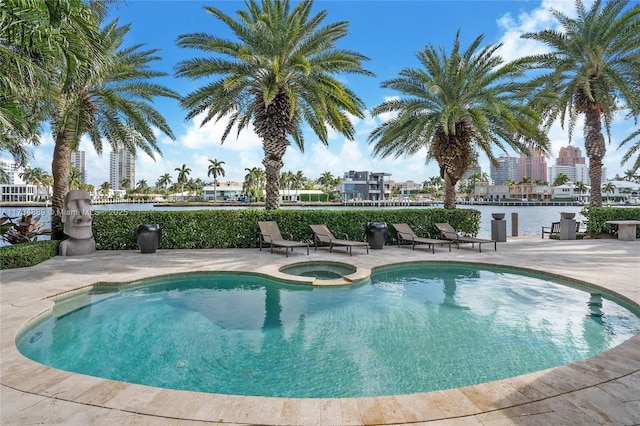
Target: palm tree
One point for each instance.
(253, 181)
(164, 181)
(327, 181)
(278, 75)
(594, 69)
(633, 149)
(215, 169)
(75, 179)
(125, 184)
(297, 181)
(39, 42)
(285, 180)
(35, 176)
(105, 188)
(456, 103)
(560, 179)
(183, 174)
(581, 187)
(608, 188)
(143, 186)
(110, 97)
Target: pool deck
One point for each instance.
(604, 389)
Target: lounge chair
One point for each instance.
(270, 236)
(554, 229)
(449, 233)
(322, 236)
(406, 234)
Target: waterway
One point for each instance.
(530, 219)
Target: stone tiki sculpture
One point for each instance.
(76, 218)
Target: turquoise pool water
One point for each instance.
(411, 329)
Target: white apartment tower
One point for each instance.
(122, 165)
(78, 160)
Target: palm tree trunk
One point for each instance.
(449, 192)
(272, 166)
(596, 148)
(60, 169)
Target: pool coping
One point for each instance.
(578, 388)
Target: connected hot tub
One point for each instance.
(326, 272)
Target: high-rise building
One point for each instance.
(474, 168)
(570, 156)
(12, 170)
(507, 169)
(122, 165)
(571, 163)
(79, 162)
(533, 166)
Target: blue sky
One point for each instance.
(388, 32)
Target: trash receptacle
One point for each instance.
(148, 237)
(376, 234)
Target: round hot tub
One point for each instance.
(324, 272)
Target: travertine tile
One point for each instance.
(407, 405)
(290, 412)
(101, 392)
(271, 411)
(350, 412)
(132, 397)
(250, 410)
(330, 411)
(310, 412)
(601, 406)
(369, 411)
(427, 404)
(231, 408)
(390, 409)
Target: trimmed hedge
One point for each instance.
(598, 216)
(27, 254)
(238, 228)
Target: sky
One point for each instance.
(388, 32)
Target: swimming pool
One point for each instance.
(246, 335)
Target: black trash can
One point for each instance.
(376, 234)
(148, 237)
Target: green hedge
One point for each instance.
(238, 228)
(27, 254)
(598, 216)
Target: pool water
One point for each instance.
(411, 329)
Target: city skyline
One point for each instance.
(375, 33)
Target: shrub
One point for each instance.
(238, 228)
(27, 254)
(597, 217)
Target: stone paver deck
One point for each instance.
(604, 389)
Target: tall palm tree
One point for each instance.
(39, 42)
(75, 178)
(125, 183)
(111, 98)
(453, 105)
(608, 188)
(326, 181)
(183, 176)
(581, 187)
(253, 181)
(633, 149)
(105, 187)
(215, 170)
(560, 179)
(297, 181)
(593, 69)
(278, 75)
(142, 186)
(164, 181)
